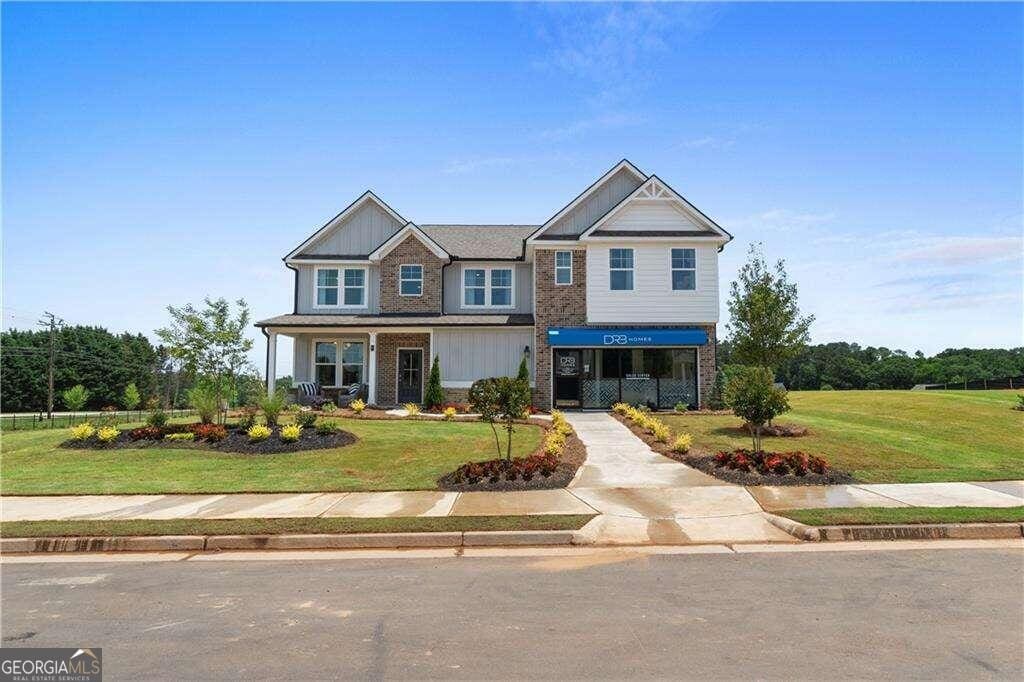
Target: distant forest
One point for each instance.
(843, 366)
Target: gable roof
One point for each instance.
(400, 236)
(469, 242)
(366, 196)
(656, 188)
(625, 164)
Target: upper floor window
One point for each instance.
(344, 287)
(410, 280)
(620, 269)
(684, 270)
(487, 287)
(563, 267)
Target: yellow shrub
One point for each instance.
(258, 432)
(357, 405)
(620, 408)
(83, 431)
(449, 414)
(557, 416)
(554, 443)
(108, 434)
(661, 432)
(290, 433)
(682, 442)
(412, 408)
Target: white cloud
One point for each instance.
(708, 142)
(586, 125)
(780, 219)
(959, 250)
(462, 166)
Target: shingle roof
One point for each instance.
(397, 320)
(480, 241)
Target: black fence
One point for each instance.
(60, 420)
(979, 384)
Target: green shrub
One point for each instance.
(329, 408)
(305, 419)
(83, 431)
(258, 432)
(433, 397)
(325, 428)
(290, 433)
(158, 418)
(272, 406)
(1020, 401)
(247, 418)
(681, 407)
(826, 387)
(185, 435)
(205, 400)
(75, 397)
(131, 398)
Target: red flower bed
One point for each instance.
(211, 432)
(146, 433)
(780, 463)
(495, 470)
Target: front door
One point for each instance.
(567, 378)
(410, 375)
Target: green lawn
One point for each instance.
(389, 455)
(891, 436)
(847, 516)
(401, 524)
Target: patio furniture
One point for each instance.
(348, 394)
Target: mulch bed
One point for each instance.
(572, 459)
(702, 460)
(236, 441)
(778, 430)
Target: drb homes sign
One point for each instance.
(584, 337)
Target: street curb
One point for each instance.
(905, 531)
(213, 543)
(798, 530)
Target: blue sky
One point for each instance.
(157, 153)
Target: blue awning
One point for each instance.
(595, 336)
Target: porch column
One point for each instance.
(371, 368)
(271, 362)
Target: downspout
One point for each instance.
(266, 362)
(295, 289)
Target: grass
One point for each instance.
(389, 455)
(414, 524)
(867, 515)
(891, 436)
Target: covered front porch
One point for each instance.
(391, 364)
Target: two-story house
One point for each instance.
(614, 298)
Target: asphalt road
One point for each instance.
(822, 615)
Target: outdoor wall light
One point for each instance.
(526, 351)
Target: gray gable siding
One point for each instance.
(305, 298)
(453, 288)
(363, 231)
(470, 354)
(615, 189)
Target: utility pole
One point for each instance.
(50, 320)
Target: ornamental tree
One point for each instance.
(500, 398)
(434, 395)
(765, 323)
(131, 398)
(753, 396)
(75, 397)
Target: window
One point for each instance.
(487, 287)
(351, 363)
(410, 280)
(563, 267)
(352, 289)
(326, 287)
(620, 264)
(326, 363)
(501, 287)
(355, 287)
(325, 368)
(684, 270)
(474, 286)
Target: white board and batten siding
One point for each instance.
(652, 300)
(470, 354)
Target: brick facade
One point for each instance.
(410, 252)
(555, 305)
(387, 363)
(566, 306)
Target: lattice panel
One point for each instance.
(598, 393)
